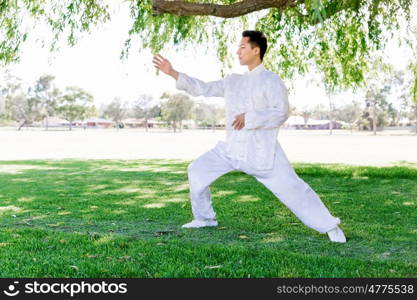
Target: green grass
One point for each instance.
(109, 218)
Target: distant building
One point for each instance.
(134, 123)
(54, 122)
(405, 122)
(298, 122)
(98, 123)
(156, 123)
(189, 124)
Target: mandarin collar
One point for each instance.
(258, 69)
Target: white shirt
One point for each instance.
(262, 96)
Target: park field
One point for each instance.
(122, 218)
(388, 148)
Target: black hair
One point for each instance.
(257, 39)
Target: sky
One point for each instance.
(94, 64)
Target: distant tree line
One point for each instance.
(386, 99)
(34, 104)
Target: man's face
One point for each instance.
(246, 53)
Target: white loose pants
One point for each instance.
(282, 181)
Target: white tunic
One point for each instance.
(262, 96)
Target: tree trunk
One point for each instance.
(21, 125)
(214, 126)
(146, 125)
(415, 111)
(70, 125)
(47, 122)
(374, 117)
(180, 125)
(330, 115)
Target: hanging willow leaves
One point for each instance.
(335, 37)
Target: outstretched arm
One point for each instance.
(193, 86)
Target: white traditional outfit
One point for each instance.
(254, 150)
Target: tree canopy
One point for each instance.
(337, 37)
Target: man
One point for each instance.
(256, 106)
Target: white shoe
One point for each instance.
(200, 223)
(336, 235)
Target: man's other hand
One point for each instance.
(239, 122)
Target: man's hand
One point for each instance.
(239, 122)
(164, 65)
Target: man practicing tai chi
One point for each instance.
(256, 106)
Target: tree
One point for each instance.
(145, 107)
(75, 104)
(116, 111)
(21, 104)
(25, 109)
(409, 96)
(177, 108)
(378, 84)
(411, 40)
(208, 114)
(9, 85)
(349, 113)
(376, 102)
(305, 113)
(292, 111)
(301, 33)
(64, 18)
(2, 101)
(48, 96)
(320, 112)
(331, 88)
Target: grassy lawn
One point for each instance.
(110, 218)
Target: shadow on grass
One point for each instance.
(148, 199)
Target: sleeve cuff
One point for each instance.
(250, 117)
(180, 82)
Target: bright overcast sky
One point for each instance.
(94, 64)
